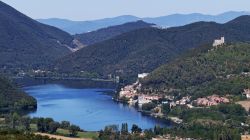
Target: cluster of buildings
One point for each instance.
(128, 91)
(211, 100)
(144, 99)
(186, 101)
(131, 93)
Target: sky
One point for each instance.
(97, 9)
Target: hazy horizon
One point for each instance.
(81, 10)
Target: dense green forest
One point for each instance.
(146, 49)
(218, 122)
(110, 32)
(26, 43)
(11, 98)
(217, 71)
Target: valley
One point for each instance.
(180, 77)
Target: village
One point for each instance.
(133, 95)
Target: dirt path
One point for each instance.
(245, 104)
(245, 137)
(61, 137)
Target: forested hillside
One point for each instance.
(145, 49)
(221, 71)
(109, 32)
(13, 98)
(26, 43)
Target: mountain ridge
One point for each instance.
(109, 32)
(78, 27)
(26, 43)
(163, 21)
(145, 49)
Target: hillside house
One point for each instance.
(219, 42)
(142, 75)
(183, 101)
(247, 93)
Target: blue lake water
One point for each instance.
(91, 109)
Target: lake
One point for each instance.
(89, 108)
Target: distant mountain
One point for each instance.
(183, 19)
(77, 27)
(12, 98)
(145, 49)
(109, 32)
(26, 43)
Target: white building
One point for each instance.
(219, 42)
(143, 75)
(247, 93)
(142, 100)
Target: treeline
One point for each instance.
(48, 125)
(196, 130)
(112, 132)
(14, 121)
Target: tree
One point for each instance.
(124, 129)
(149, 134)
(40, 125)
(73, 130)
(165, 109)
(53, 126)
(148, 106)
(46, 123)
(26, 123)
(158, 130)
(15, 118)
(136, 129)
(65, 124)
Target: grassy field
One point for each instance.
(92, 135)
(63, 132)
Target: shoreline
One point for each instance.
(66, 78)
(164, 120)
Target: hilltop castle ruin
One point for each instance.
(219, 42)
